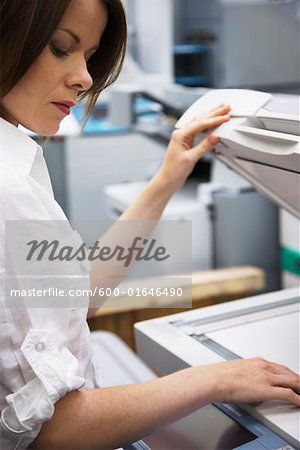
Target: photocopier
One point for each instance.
(261, 143)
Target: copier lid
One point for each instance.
(261, 142)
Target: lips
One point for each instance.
(64, 106)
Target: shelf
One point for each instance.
(187, 49)
(192, 80)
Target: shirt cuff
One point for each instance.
(56, 373)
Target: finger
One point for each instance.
(281, 369)
(222, 109)
(201, 124)
(217, 111)
(204, 147)
(291, 382)
(221, 105)
(287, 395)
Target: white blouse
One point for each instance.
(44, 352)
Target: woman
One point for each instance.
(55, 53)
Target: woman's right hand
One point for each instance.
(252, 381)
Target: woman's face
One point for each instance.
(44, 95)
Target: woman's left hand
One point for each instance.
(181, 155)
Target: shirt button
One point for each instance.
(39, 346)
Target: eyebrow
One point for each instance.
(76, 38)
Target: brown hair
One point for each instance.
(26, 28)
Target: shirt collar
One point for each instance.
(16, 148)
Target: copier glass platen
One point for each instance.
(261, 143)
(265, 325)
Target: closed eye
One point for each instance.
(59, 52)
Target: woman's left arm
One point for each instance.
(180, 159)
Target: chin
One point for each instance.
(51, 132)
(44, 130)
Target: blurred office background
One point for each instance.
(177, 50)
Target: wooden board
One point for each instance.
(118, 314)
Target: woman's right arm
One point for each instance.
(112, 417)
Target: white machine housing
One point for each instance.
(260, 142)
(265, 325)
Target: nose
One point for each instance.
(79, 77)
